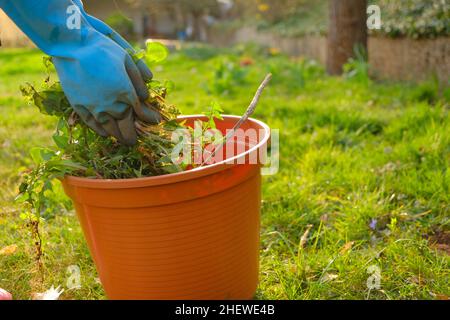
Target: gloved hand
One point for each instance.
(103, 84)
(102, 27)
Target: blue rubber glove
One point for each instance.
(102, 27)
(105, 87)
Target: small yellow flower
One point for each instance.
(263, 7)
(274, 51)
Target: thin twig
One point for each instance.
(251, 108)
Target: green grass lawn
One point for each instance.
(363, 164)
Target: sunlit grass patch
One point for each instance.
(364, 163)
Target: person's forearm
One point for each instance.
(47, 23)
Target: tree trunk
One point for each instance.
(198, 25)
(347, 28)
(181, 19)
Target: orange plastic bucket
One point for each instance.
(189, 235)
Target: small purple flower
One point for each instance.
(373, 224)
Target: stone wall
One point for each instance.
(396, 59)
(308, 46)
(408, 59)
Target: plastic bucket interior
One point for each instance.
(189, 235)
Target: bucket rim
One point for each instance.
(172, 177)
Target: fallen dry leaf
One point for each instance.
(443, 247)
(417, 280)
(9, 250)
(304, 237)
(329, 277)
(346, 247)
(440, 240)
